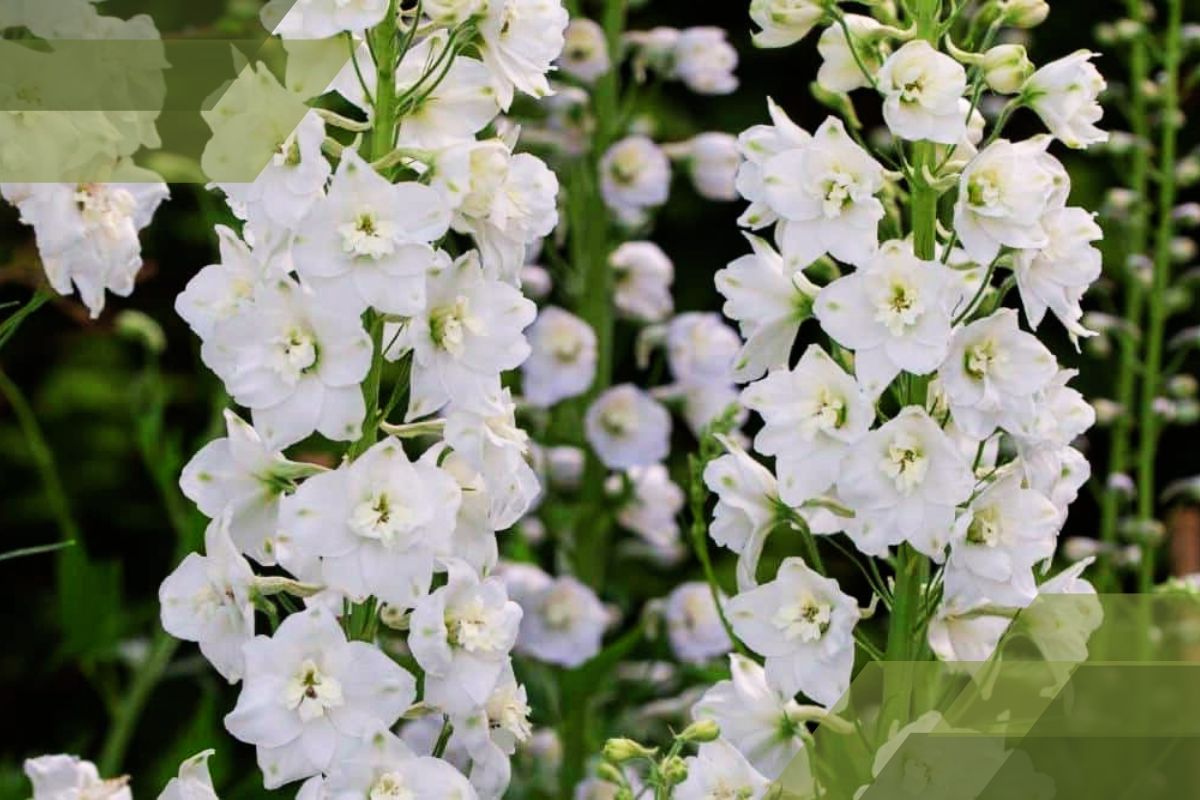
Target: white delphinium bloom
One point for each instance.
(289, 184)
(220, 290)
(824, 193)
(784, 22)
(627, 428)
(705, 402)
(562, 361)
(308, 692)
(748, 508)
(994, 368)
(585, 52)
(487, 438)
(759, 144)
(296, 361)
(521, 39)
(382, 767)
(894, 313)
(457, 107)
(1006, 531)
(764, 724)
(490, 734)
(906, 478)
(812, 415)
(1056, 276)
(451, 13)
(923, 94)
(719, 770)
(193, 781)
(208, 599)
(1063, 93)
(769, 301)
(701, 348)
(505, 201)
(694, 625)
(87, 234)
(803, 625)
(840, 70)
(461, 635)
(376, 523)
(240, 476)
(471, 330)
(321, 19)
(366, 244)
(473, 539)
(1003, 195)
(64, 777)
(960, 632)
(653, 507)
(705, 60)
(562, 620)
(712, 161)
(635, 175)
(642, 277)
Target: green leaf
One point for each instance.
(11, 323)
(34, 551)
(89, 605)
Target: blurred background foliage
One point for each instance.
(120, 412)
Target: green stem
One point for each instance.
(1157, 320)
(136, 695)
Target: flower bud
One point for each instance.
(1147, 531)
(1183, 386)
(618, 751)
(536, 282)
(1077, 548)
(564, 466)
(1187, 411)
(1107, 411)
(700, 731)
(532, 529)
(140, 328)
(1183, 249)
(1187, 170)
(1187, 215)
(674, 770)
(1024, 13)
(1127, 30)
(1122, 485)
(1006, 67)
(610, 774)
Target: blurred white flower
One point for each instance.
(701, 348)
(705, 60)
(713, 159)
(635, 176)
(642, 277)
(562, 363)
(694, 625)
(653, 509)
(585, 53)
(627, 428)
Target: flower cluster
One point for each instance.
(339, 271)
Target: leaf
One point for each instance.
(34, 551)
(89, 604)
(11, 323)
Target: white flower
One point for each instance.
(562, 363)
(461, 635)
(457, 107)
(473, 539)
(308, 692)
(824, 192)
(193, 781)
(87, 234)
(1063, 93)
(957, 633)
(521, 39)
(585, 53)
(450, 13)
(382, 767)
(840, 71)
(652, 510)
(627, 428)
(769, 301)
(701, 348)
(905, 479)
(713, 160)
(764, 724)
(491, 733)
(321, 19)
(894, 313)
(240, 476)
(719, 770)
(812, 415)
(376, 523)
(470, 331)
(642, 277)
(923, 94)
(705, 60)
(295, 361)
(1059, 415)
(366, 244)
(562, 621)
(748, 508)
(1003, 195)
(694, 625)
(1056, 276)
(1006, 531)
(220, 290)
(994, 368)
(635, 175)
(784, 22)
(505, 201)
(803, 625)
(759, 144)
(63, 777)
(208, 599)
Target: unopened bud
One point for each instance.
(140, 328)
(1077, 548)
(1187, 171)
(1183, 386)
(1121, 142)
(536, 282)
(564, 466)
(1107, 411)
(1127, 30)
(1144, 531)
(1129, 556)
(610, 774)
(1118, 202)
(700, 731)
(618, 751)
(532, 529)
(674, 770)
(1187, 215)
(1006, 67)
(1024, 13)
(1187, 411)
(1183, 249)
(1105, 33)
(1121, 485)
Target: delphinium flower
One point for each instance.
(193, 781)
